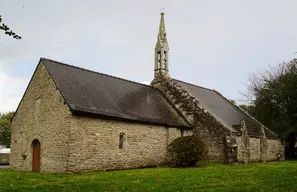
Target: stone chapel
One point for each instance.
(72, 119)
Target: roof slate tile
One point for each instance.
(97, 93)
(223, 109)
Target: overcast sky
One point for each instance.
(213, 43)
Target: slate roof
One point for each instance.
(97, 93)
(227, 113)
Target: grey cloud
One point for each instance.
(212, 43)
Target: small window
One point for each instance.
(121, 144)
(182, 132)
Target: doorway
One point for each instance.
(36, 156)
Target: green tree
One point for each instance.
(186, 151)
(7, 30)
(275, 100)
(5, 129)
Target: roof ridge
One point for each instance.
(92, 71)
(194, 85)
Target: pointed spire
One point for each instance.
(162, 39)
(162, 32)
(161, 51)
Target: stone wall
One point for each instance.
(72, 143)
(41, 115)
(254, 150)
(214, 138)
(240, 148)
(4, 158)
(274, 147)
(94, 144)
(214, 133)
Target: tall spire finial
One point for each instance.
(162, 32)
(161, 50)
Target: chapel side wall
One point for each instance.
(240, 148)
(214, 138)
(94, 144)
(274, 147)
(253, 153)
(41, 115)
(254, 149)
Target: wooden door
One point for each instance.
(36, 156)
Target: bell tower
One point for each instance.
(161, 51)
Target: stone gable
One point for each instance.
(41, 115)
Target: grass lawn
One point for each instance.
(276, 176)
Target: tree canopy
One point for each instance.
(275, 97)
(5, 129)
(274, 93)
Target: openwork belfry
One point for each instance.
(161, 51)
(72, 119)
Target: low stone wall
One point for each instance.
(274, 148)
(4, 158)
(254, 150)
